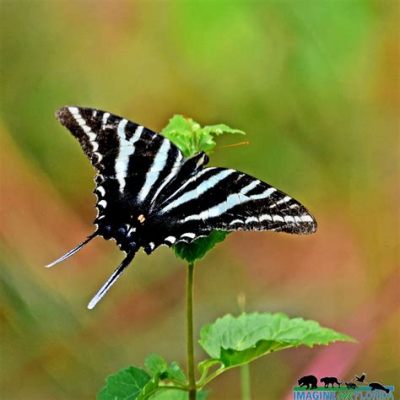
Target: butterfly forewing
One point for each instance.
(133, 162)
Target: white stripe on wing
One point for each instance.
(203, 187)
(126, 149)
(159, 163)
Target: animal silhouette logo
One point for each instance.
(361, 378)
(351, 385)
(331, 387)
(378, 386)
(330, 380)
(309, 381)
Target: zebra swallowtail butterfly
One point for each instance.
(148, 194)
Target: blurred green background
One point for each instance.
(315, 84)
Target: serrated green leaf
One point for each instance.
(126, 384)
(198, 249)
(155, 364)
(238, 340)
(172, 394)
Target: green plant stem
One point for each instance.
(189, 332)
(184, 389)
(245, 381)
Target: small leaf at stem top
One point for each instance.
(191, 138)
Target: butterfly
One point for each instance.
(149, 194)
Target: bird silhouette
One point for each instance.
(361, 378)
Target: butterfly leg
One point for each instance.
(111, 280)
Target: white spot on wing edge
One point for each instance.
(189, 235)
(102, 203)
(104, 120)
(306, 218)
(101, 190)
(170, 239)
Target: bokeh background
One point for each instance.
(315, 84)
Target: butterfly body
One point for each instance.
(149, 194)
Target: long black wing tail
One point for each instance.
(73, 251)
(111, 280)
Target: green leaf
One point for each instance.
(175, 374)
(126, 384)
(238, 340)
(196, 250)
(220, 129)
(155, 364)
(172, 394)
(149, 389)
(191, 138)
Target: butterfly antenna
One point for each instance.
(244, 143)
(73, 251)
(111, 280)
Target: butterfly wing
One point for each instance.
(225, 199)
(133, 163)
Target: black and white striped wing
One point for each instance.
(225, 199)
(133, 163)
